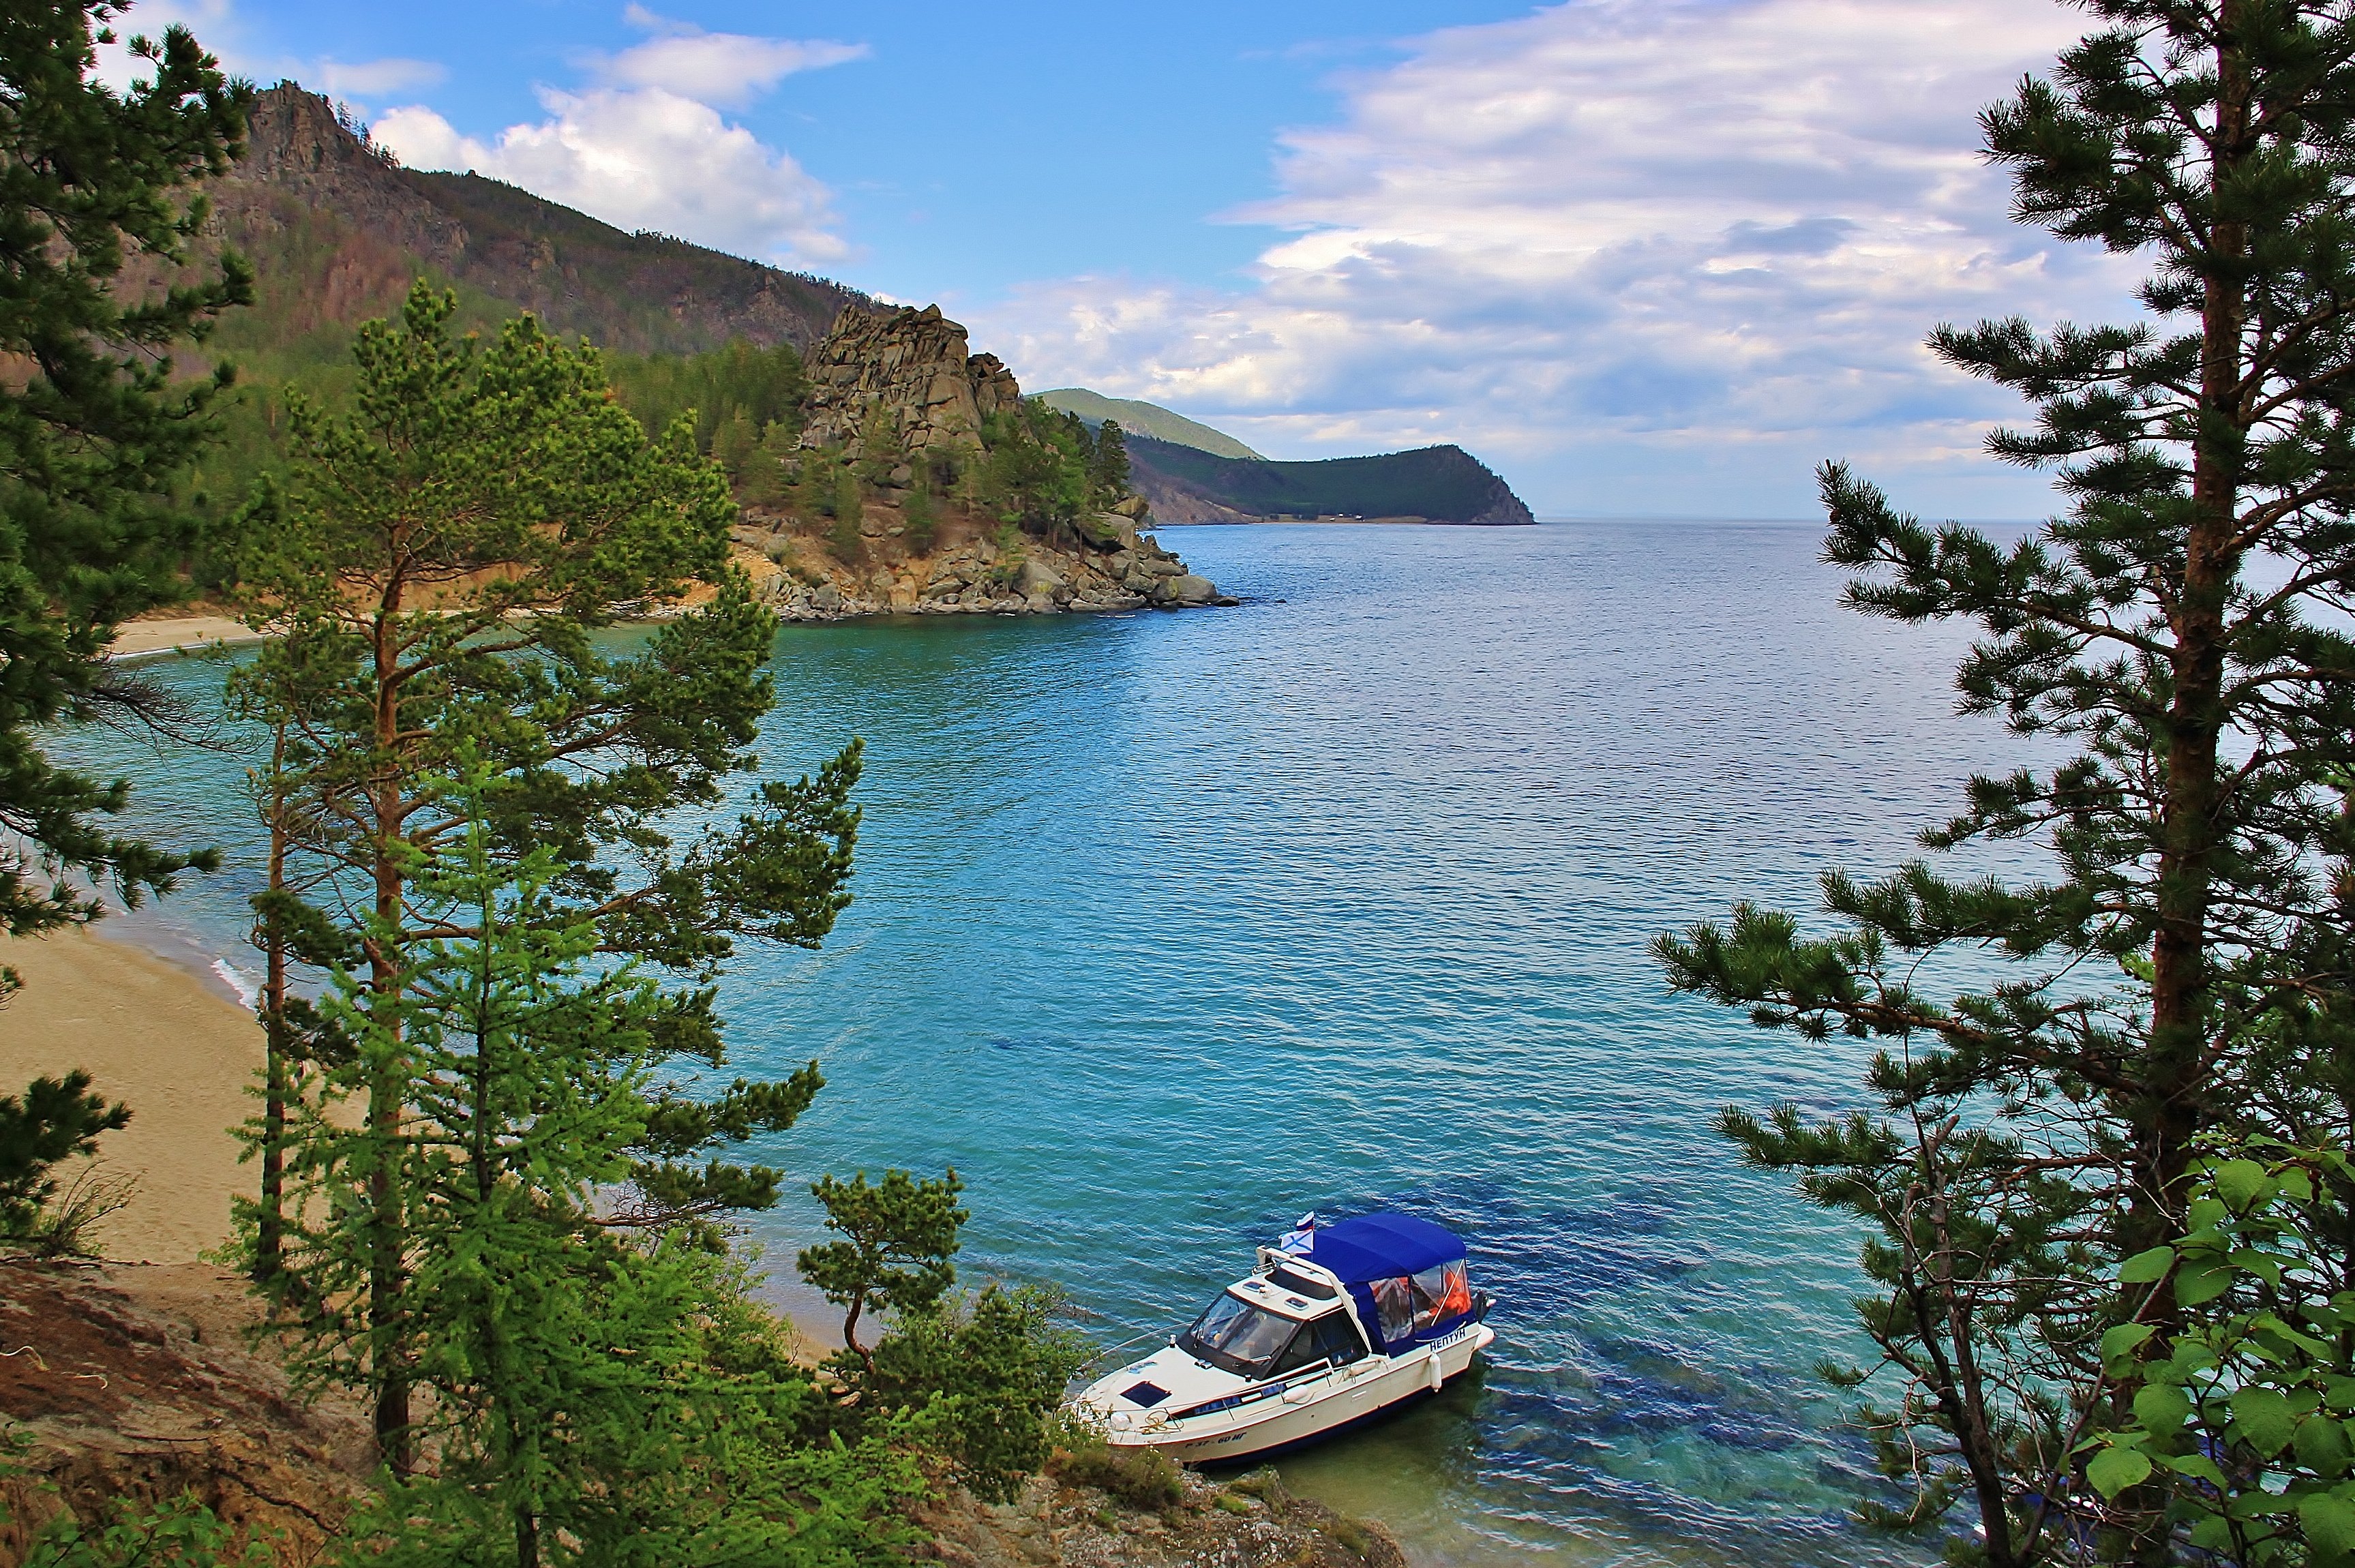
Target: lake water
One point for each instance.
(1171, 927)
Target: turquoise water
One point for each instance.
(1172, 927)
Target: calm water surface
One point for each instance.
(1171, 927)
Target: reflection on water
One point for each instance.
(1172, 927)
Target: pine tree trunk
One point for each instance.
(387, 1084)
(2176, 1086)
(269, 1241)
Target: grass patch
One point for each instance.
(1141, 1477)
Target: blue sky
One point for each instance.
(1646, 257)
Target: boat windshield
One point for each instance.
(1233, 1334)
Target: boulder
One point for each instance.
(1107, 531)
(1037, 578)
(1188, 589)
(1132, 506)
(826, 596)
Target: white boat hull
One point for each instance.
(1306, 1409)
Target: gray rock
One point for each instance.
(1107, 531)
(1190, 589)
(1038, 577)
(826, 596)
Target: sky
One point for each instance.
(1643, 257)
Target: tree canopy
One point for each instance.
(2181, 633)
(100, 280)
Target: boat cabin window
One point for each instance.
(1234, 1335)
(1304, 1351)
(1338, 1339)
(1416, 1302)
(1300, 1283)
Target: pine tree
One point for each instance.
(96, 197)
(898, 1238)
(54, 1120)
(438, 563)
(2182, 627)
(1108, 472)
(574, 1363)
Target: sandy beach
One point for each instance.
(159, 1039)
(167, 634)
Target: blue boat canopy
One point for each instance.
(1382, 1246)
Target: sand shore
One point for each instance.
(165, 634)
(157, 1039)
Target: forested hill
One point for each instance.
(336, 231)
(1435, 484)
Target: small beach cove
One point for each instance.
(1172, 927)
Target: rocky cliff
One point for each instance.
(910, 369)
(337, 231)
(895, 397)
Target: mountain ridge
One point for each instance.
(1136, 417)
(338, 230)
(1440, 484)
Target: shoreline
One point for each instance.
(158, 1035)
(180, 633)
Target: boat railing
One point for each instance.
(1256, 1393)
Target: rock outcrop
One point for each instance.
(1106, 562)
(132, 1384)
(909, 369)
(904, 383)
(1251, 1522)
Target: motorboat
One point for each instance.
(1336, 1325)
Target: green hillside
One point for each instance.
(1145, 419)
(1440, 484)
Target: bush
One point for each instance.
(924, 521)
(977, 1380)
(1141, 1477)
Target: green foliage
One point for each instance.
(570, 1359)
(923, 514)
(180, 1534)
(754, 388)
(96, 191)
(56, 1119)
(897, 1239)
(2184, 970)
(1141, 1477)
(974, 1379)
(848, 510)
(439, 560)
(1108, 477)
(2248, 1412)
(879, 447)
(1035, 476)
(977, 1379)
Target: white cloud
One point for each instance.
(718, 68)
(1644, 254)
(642, 159)
(646, 148)
(220, 30)
(370, 79)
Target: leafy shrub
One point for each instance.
(1141, 1477)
